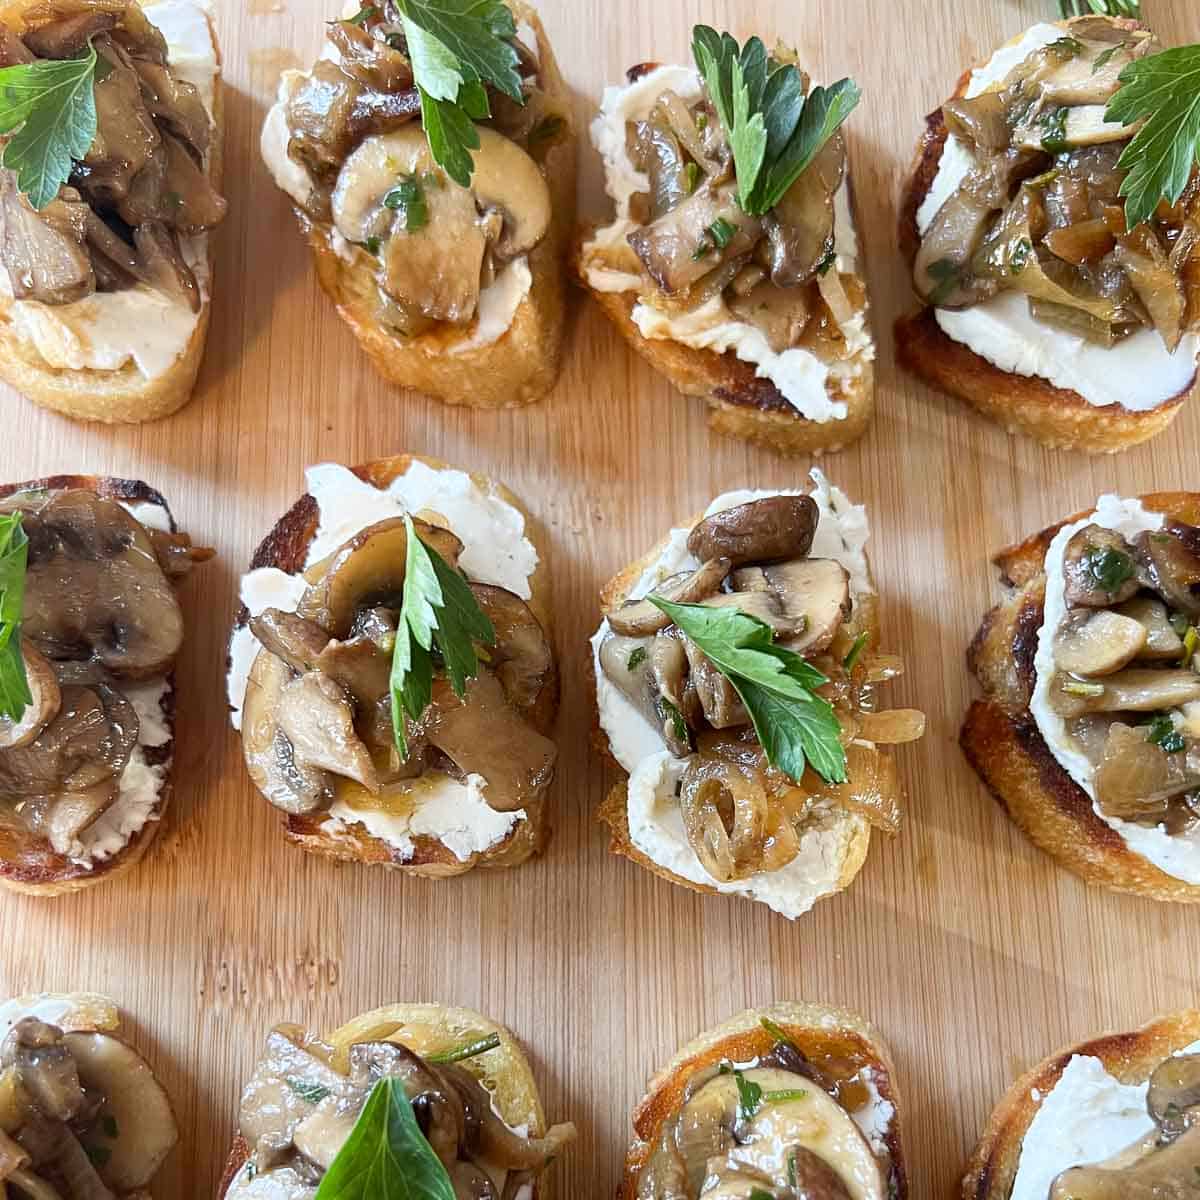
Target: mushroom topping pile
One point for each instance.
(741, 814)
(318, 722)
(1126, 679)
(1041, 212)
(81, 1116)
(306, 1098)
(1166, 1162)
(777, 1128)
(693, 243)
(354, 124)
(142, 186)
(101, 618)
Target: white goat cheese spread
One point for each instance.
(495, 551)
(874, 1119)
(655, 820)
(498, 302)
(1138, 373)
(108, 330)
(1087, 1117)
(1176, 854)
(801, 377)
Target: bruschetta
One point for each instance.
(1113, 1117)
(789, 1100)
(745, 713)
(329, 613)
(86, 750)
(448, 265)
(106, 267)
(737, 277)
(1043, 310)
(450, 1091)
(81, 1113)
(1088, 732)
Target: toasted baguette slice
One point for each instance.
(286, 547)
(428, 1029)
(124, 396)
(521, 366)
(853, 829)
(822, 1033)
(1001, 739)
(27, 862)
(1129, 1057)
(1027, 404)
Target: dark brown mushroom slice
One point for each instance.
(359, 665)
(297, 641)
(483, 734)
(13, 51)
(719, 701)
(382, 112)
(522, 658)
(66, 37)
(759, 531)
(1171, 556)
(370, 60)
(176, 104)
(318, 118)
(63, 817)
(1099, 568)
(800, 228)
(472, 1183)
(780, 314)
(640, 618)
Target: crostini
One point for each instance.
(1114, 1117)
(736, 672)
(438, 220)
(81, 1113)
(87, 659)
(1089, 730)
(1059, 302)
(106, 204)
(790, 1100)
(342, 616)
(450, 1090)
(735, 274)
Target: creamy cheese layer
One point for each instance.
(1087, 1117)
(140, 325)
(495, 551)
(1176, 854)
(1139, 373)
(802, 378)
(655, 820)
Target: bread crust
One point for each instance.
(1001, 740)
(1028, 404)
(1129, 1057)
(509, 1076)
(286, 548)
(27, 862)
(614, 809)
(743, 1038)
(522, 365)
(124, 396)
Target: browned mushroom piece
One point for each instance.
(676, 716)
(812, 595)
(722, 707)
(640, 618)
(1099, 568)
(760, 531)
(1098, 642)
(625, 661)
(1171, 557)
(44, 705)
(800, 228)
(316, 716)
(44, 262)
(1162, 641)
(297, 641)
(1134, 689)
(1173, 1097)
(522, 658)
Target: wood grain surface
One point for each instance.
(970, 949)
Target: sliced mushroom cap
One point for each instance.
(45, 1068)
(1162, 642)
(368, 570)
(507, 180)
(56, 1151)
(1099, 568)
(722, 707)
(316, 716)
(760, 531)
(136, 1103)
(522, 658)
(766, 607)
(1173, 1098)
(640, 618)
(668, 670)
(297, 641)
(626, 662)
(1135, 689)
(1098, 643)
(813, 595)
(1161, 1171)
(800, 227)
(43, 708)
(61, 818)
(43, 261)
(1172, 558)
(1136, 778)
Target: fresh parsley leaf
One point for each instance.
(408, 198)
(451, 135)
(855, 650)
(15, 695)
(749, 1096)
(386, 1156)
(439, 610)
(1103, 8)
(310, 1093)
(52, 106)
(722, 232)
(1162, 732)
(778, 688)
(1110, 568)
(1165, 90)
(637, 656)
(1054, 131)
(469, 1050)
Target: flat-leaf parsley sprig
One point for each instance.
(774, 130)
(1103, 8)
(15, 695)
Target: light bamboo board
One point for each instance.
(970, 949)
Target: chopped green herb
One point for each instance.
(1162, 732)
(372, 245)
(691, 177)
(1018, 260)
(1054, 131)
(546, 130)
(396, 41)
(98, 1155)
(672, 714)
(367, 13)
(855, 650)
(776, 1031)
(1045, 179)
(470, 1049)
(785, 1096)
(14, 557)
(702, 251)
(792, 1170)
(1066, 48)
(759, 1194)
(828, 261)
(701, 122)
(945, 273)
(722, 232)
(749, 1096)
(1081, 687)
(408, 198)
(1189, 646)
(1102, 60)
(1110, 568)
(310, 1093)
(637, 656)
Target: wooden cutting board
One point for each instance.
(970, 949)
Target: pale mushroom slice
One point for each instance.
(1135, 689)
(1098, 642)
(640, 618)
(813, 593)
(316, 715)
(46, 700)
(1162, 642)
